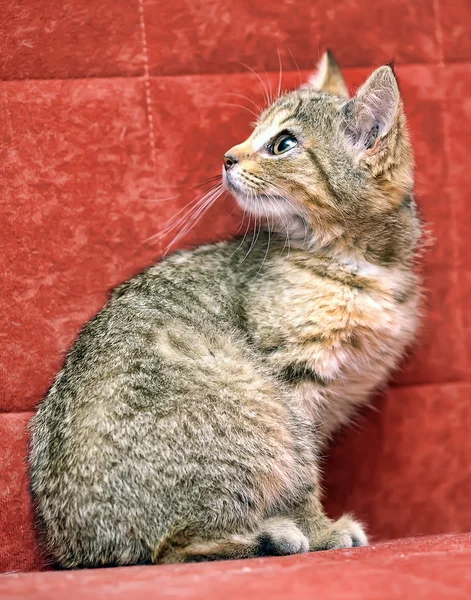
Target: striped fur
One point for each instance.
(190, 414)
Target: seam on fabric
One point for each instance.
(145, 47)
(400, 67)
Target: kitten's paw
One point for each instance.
(343, 533)
(280, 537)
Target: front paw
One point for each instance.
(280, 537)
(343, 533)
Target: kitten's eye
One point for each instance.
(283, 143)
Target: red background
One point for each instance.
(108, 107)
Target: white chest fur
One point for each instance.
(349, 324)
(369, 328)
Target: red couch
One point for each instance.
(111, 113)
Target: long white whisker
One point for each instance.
(281, 73)
(242, 221)
(207, 200)
(270, 85)
(245, 98)
(264, 87)
(287, 241)
(297, 66)
(280, 214)
(240, 106)
(259, 231)
(164, 199)
(255, 235)
(214, 180)
(284, 194)
(175, 221)
(271, 97)
(245, 234)
(269, 239)
(190, 224)
(193, 218)
(208, 180)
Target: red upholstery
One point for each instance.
(111, 113)
(420, 568)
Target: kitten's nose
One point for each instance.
(229, 161)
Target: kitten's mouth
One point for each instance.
(235, 185)
(273, 207)
(262, 205)
(265, 204)
(245, 195)
(230, 185)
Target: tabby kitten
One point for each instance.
(188, 419)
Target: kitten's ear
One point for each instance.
(370, 115)
(328, 77)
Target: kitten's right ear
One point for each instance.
(371, 114)
(328, 77)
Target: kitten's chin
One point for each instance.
(242, 196)
(277, 210)
(279, 216)
(233, 185)
(259, 205)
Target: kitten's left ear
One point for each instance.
(328, 77)
(371, 114)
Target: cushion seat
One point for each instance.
(114, 115)
(420, 568)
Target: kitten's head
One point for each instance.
(321, 162)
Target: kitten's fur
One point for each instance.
(187, 421)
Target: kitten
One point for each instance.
(188, 419)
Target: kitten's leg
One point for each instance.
(278, 536)
(324, 533)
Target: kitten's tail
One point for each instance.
(277, 536)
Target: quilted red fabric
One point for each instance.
(420, 568)
(112, 113)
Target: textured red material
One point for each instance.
(227, 33)
(421, 568)
(111, 116)
(49, 38)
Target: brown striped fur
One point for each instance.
(190, 414)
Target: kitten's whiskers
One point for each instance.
(190, 218)
(269, 239)
(281, 73)
(264, 86)
(297, 67)
(196, 216)
(245, 98)
(240, 106)
(280, 215)
(245, 234)
(257, 229)
(202, 183)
